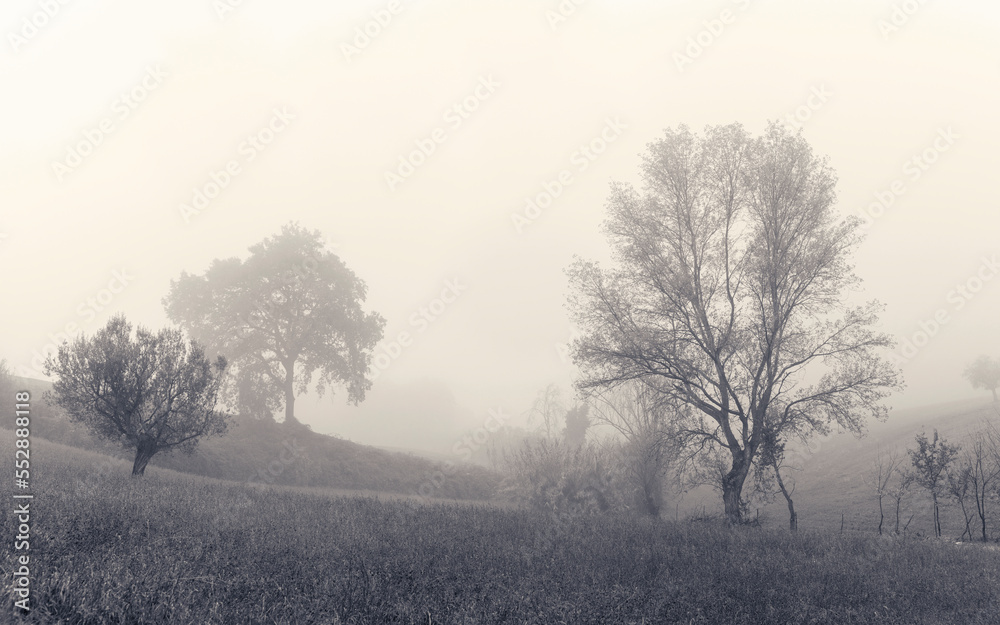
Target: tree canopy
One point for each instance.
(289, 313)
(729, 294)
(153, 392)
(984, 373)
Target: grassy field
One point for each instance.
(172, 548)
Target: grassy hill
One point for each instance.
(268, 452)
(181, 549)
(832, 480)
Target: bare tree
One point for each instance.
(984, 458)
(639, 414)
(898, 487)
(958, 482)
(730, 290)
(153, 392)
(984, 373)
(931, 460)
(546, 410)
(886, 466)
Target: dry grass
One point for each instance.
(171, 548)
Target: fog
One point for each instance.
(115, 114)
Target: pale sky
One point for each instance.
(116, 112)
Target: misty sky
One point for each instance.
(116, 113)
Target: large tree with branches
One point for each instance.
(286, 317)
(730, 291)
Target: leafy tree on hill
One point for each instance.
(290, 311)
(984, 373)
(153, 392)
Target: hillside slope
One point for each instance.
(269, 452)
(833, 480)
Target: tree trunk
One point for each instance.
(652, 508)
(144, 450)
(881, 515)
(290, 394)
(968, 522)
(732, 490)
(981, 508)
(793, 522)
(995, 400)
(937, 518)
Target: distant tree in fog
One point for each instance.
(152, 392)
(289, 311)
(546, 411)
(577, 423)
(730, 291)
(931, 461)
(640, 414)
(884, 481)
(984, 373)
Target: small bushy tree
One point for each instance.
(151, 392)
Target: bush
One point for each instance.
(551, 475)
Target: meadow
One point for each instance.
(175, 548)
